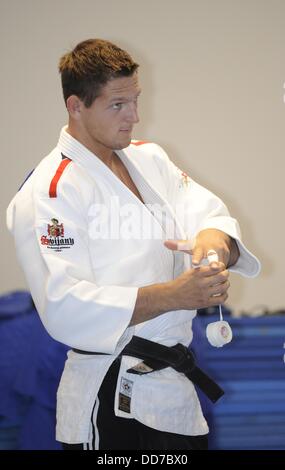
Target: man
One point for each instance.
(91, 227)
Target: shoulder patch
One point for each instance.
(54, 182)
(139, 142)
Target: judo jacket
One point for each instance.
(86, 244)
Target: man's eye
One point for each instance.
(117, 106)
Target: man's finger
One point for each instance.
(179, 245)
(197, 256)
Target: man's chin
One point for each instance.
(123, 143)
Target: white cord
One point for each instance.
(221, 314)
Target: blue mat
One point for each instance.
(251, 370)
(31, 363)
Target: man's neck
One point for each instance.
(104, 154)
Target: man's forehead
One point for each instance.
(121, 86)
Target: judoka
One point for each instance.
(97, 228)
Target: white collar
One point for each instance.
(73, 149)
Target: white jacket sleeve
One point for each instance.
(74, 310)
(198, 208)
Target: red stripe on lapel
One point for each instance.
(57, 176)
(140, 142)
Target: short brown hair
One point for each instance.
(90, 65)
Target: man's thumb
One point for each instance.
(180, 245)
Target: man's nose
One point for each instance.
(133, 113)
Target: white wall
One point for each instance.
(212, 73)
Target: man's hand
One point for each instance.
(206, 240)
(201, 287)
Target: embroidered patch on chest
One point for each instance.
(184, 180)
(55, 239)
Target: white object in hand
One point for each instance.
(219, 333)
(212, 256)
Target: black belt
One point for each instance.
(156, 356)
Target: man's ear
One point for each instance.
(74, 106)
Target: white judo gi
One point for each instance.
(86, 244)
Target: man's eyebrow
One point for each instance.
(118, 98)
(123, 98)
